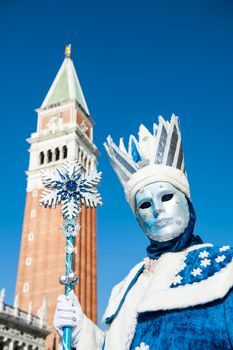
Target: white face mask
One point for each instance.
(162, 211)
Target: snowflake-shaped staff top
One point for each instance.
(69, 186)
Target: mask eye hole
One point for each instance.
(145, 205)
(167, 197)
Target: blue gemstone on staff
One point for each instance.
(71, 185)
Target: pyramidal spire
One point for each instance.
(66, 85)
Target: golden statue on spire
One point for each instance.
(68, 50)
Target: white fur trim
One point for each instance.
(213, 288)
(90, 337)
(155, 173)
(118, 292)
(175, 259)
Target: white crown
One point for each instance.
(154, 157)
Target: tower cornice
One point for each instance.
(41, 137)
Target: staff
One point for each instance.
(70, 187)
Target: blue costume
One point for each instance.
(193, 307)
(193, 312)
(180, 295)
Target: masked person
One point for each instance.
(180, 295)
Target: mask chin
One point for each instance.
(162, 211)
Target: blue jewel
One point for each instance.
(71, 185)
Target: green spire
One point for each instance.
(61, 91)
(65, 87)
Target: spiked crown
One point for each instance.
(154, 157)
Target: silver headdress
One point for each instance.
(154, 157)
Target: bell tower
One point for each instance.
(64, 131)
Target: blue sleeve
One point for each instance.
(228, 306)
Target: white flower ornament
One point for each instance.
(220, 258)
(196, 272)
(177, 280)
(224, 248)
(142, 346)
(203, 254)
(205, 262)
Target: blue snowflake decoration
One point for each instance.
(202, 263)
(69, 186)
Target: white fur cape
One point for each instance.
(152, 292)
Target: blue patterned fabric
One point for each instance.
(209, 326)
(203, 263)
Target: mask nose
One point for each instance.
(156, 209)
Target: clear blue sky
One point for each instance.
(135, 60)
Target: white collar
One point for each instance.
(215, 287)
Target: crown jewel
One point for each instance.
(156, 156)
